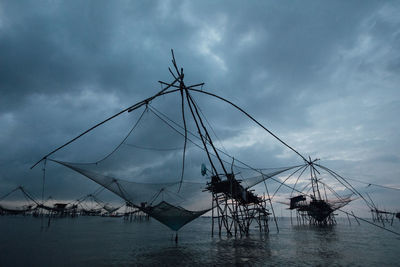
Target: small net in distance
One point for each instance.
(17, 201)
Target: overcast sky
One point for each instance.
(322, 75)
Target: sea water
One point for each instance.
(102, 241)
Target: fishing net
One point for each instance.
(92, 205)
(17, 201)
(162, 165)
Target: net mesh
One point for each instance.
(151, 170)
(17, 201)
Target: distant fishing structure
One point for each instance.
(29, 206)
(175, 198)
(314, 206)
(131, 213)
(382, 216)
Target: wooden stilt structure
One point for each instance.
(236, 208)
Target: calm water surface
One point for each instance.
(98, 241)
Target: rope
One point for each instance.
(9, 193)
(369, 184)
(354, 190)
(44, 178)
(129, 109)
(301, 167)
(212, 129)
(249, 116)
(364, 220)
(184, 125)
(153, 148)
(272, 207)
(123, 140)
(248, 167)
(251, 168)
(298, 177)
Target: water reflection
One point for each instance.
(106, 241)
(316, 244)
(249, 250)
(217, 251)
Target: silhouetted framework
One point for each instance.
(382, 216)
(56, 210)
(25, 209)
(313, 206)
(236, 208)
(132, 213)
(317, 212)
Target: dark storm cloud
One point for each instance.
(324, 76)
(53, 47)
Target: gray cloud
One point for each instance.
(323, 76)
